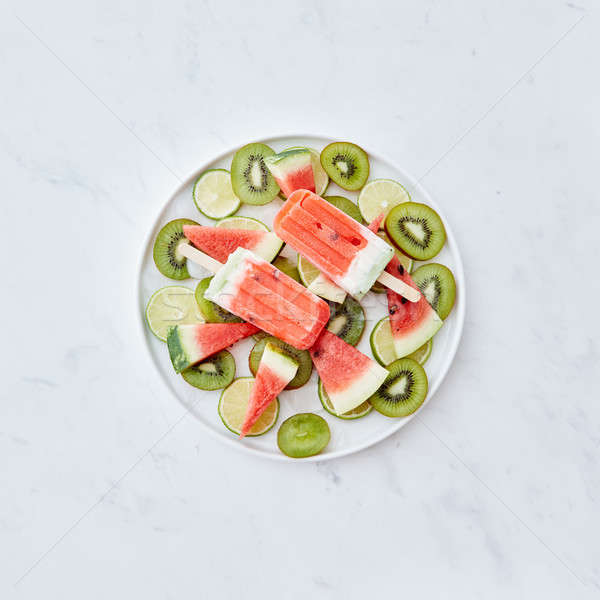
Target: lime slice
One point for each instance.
(232, 408)
(405, 261)
(382, 343)
(380, 195)
(213, 194)
(422, 353)
(170, 306)
(321, 177)
(242, 223)
(307, 271)
(356, 413)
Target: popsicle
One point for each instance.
(261, 294)
(351, 255)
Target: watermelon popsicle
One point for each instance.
(261, 294)
(351, 255)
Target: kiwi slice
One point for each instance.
(302, 357)
(403, 391)
(288, 267)
(347, 164)
(166, 254)
(416, 229)
(302, 435)
(347, 320)
(214, 373)
(251, 180)
(345, 205)
(438, 286)
(212, 312)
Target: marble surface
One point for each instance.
(110, 490)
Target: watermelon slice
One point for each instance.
(275, 371)
(189, 344)
(292, 170)
(413, 323)
(349, 377)
(221, 242)
(375, 224)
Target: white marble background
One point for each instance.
(109, 490)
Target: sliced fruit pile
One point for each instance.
(351, 385)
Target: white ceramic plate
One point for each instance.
(346, 436)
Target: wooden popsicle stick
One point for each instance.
(399, 287)
(200, 258)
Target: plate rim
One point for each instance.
(447, 361)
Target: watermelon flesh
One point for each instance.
(412, 323)
(275, 371)
(349, 377)
(292, 170)
(375, 224)
(220, 242)
(189, 344)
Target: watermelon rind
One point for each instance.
(183, 349)
(285, 163)
(410, 341)
(362, 388)
(279, 362)
(319, 173)
(362, 410)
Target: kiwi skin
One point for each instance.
(213, 373)
(427, 218)
(396, 403)
(437, 284)
(165, 246)
(302, 357)
(338, 152)
(212, 312)
(347, 320)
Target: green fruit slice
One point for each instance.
(170, 306)
(288, 267)
(307, 271)
(382, 345)
(167, 258)
(345, 205)
(438, 286)
(416, 229)
(251, 179)
(382, 342)
(356, 413)
(403, 391)
(213, 373)
(213, 194)
(405, 261)
(233, 404)
(380, 196)
(347, 320)
(303, 435)
(239, 222)
(346, 164)
(302, 357)
(212, 312)
(422, 353)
